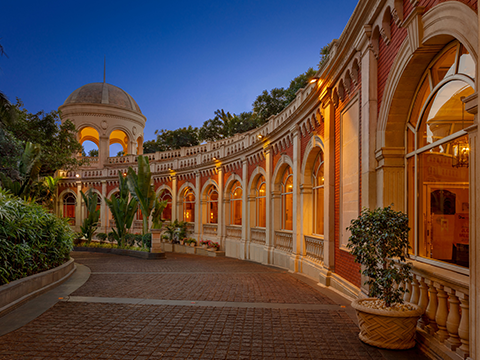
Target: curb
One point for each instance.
(132, 253)
(15, 293)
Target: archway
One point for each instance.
(119, 143)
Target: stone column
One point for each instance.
(103, 151)
(329, 186)
(78, 210)
(174, 198)
(471, 105)
(221, 209)
(245, 225)
(296, 228)
(267, 259)
(198, 217)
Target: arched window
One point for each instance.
(69, 205)
(437, 159)
(260, 202)
(167, 212)
(189, 205)
(317, 193)
(287, 199)
(236, 204)
(212, 206)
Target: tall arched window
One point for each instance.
(167, 212)
(437, 159)
(287, 199)
(69, 205)
(236, 204)
(189, 205)
(318, 192)
(212, 206)
(260, 202)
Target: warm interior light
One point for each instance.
(124, 174)
(214, 158)
(77, 175)
(260, 136)
(314, 80)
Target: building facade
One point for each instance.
(390, 120)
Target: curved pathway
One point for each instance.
(192, 307)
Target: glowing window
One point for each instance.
(287, 199)
(318, 195)
(212, 206)
(188, 205)
(236, 204)
(260, 202)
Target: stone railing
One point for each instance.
(258, 236)
(210, 229)
(190, 228)
(444, 297)
(234, 231)
(314, 248)
(284, 241)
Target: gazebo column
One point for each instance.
(269, 233)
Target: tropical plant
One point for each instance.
(50, 184)
(31, 239)
(123, 210)
(102, 237)
(176, 230)
(90, 223)
(379, 242)
(141, 188)
(26, 172)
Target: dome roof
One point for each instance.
(102, 93)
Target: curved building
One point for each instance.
(391, 119)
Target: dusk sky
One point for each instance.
(180, 60)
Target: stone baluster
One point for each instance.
(408, 294)
(463, 328)
(442, 314)
(453, 320)
(431, 310)
(415, 291)
(423, 303)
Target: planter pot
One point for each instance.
(192, 244)
(204, 246)
(181, 242)
(387, 329)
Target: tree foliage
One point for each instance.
(175, 139)
(58, 140)
(380, 237)
(324, 52)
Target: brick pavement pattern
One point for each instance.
(124, 331)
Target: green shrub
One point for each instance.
(31, 239)
(111, 236)
(129, 239)
(102, 237)
(147, 240)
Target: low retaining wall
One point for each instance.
(15, 293)
(133, 253)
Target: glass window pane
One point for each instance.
(466, 64)
(288, 217)
(262, 215)
(422, 96)
(445, 113)
(443, 207)
(318, 228)
(411, 202)
(445, 66)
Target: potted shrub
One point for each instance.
(379, 242)
(214, 245)
(192, 242)
(204, 244)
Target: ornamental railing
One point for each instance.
(314, 248)
(234, 231)
(443, 295)
(258, 236)
(284, 241)
(210, 229)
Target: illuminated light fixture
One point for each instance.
(314, 80)
(461, 148)
(260, 136)
(77, 175)
(214, 158)
(124, 174)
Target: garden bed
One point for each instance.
(15, 293)
(132, 253)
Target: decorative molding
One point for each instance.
(414, 26)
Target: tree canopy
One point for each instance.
(58, 141)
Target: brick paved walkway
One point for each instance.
(263, 319)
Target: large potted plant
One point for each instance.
(379, 242)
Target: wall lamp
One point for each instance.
(260, 136)
(314, 80)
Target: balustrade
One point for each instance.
(234, 231)
(284, 241)
(258, 236)
(190, 228)
(314, 248)
(446, 307)
(210, 229)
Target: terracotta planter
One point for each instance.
(387, 329)
(192, 244)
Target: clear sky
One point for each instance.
(180, 60)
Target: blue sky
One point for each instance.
(180, 60)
